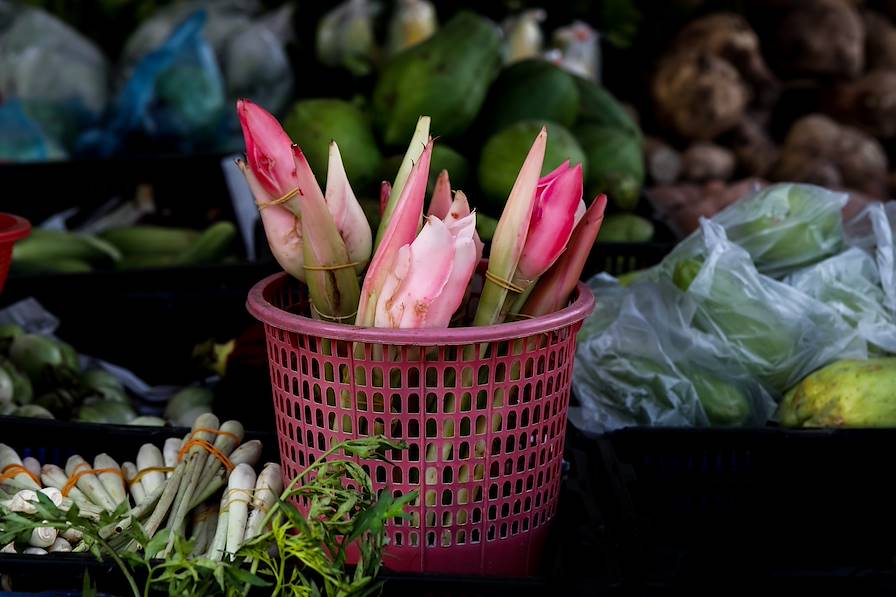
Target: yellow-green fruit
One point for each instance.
(615, 163)
(504, 153)
(724, 403)
(445, 77)
(314, 123)
(625, 228)
(846, 393)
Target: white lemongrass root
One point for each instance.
(113, 481)
(9, 548)
(31, 463)
(9, 461)
(135, 487)
(248, 453)
(170, 452)
(60, 545)
(72, 535)
(239, 492)
(53, 476)
(42, 537)
(219, 541)
(268, 488)
(150, 457)
(34, 551)
(89, 484)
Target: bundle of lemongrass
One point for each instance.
(178, 487)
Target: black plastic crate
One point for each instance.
(683, 503)
(622, 258)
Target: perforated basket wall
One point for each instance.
(485, 434)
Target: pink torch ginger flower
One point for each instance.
(347, 212)
(268, 149)
(557, 199)
(440, 204)
(429, 277)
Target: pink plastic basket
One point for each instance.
(12, 228)
(485, 435)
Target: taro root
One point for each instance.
(753, 147)
(682, 205)
(698, 94)
(868, 103)
(662, 162)
(821, 38)
(821, 151)
(707, 161)
(880, 41)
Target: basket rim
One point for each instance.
(263, 310)
(13, 227)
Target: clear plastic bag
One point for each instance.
(850, 283)
(639, 363)
(783, 227)
(778, 333)
(59, 76)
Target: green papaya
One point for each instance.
(598, 107)
(504, 153)
(532, 89)
(446, 77)
(22, 390)
(314, 123)
(213, 244)
(8, 331)
(27, 266)
(32, 353)
(445, 158)
(625, 228)
(615, 163)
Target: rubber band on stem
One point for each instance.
(79, 472)
(150, 469)
(505, 284)
(336, 318)
(11, 471)
(208, 448)
(330, 268)
(279, 201)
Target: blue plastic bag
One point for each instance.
(22, 139)
(175, 94)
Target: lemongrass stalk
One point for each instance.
(163, 505)
(219, 541)
(196, 458)
(53, 476)
(89, 484)
(205, 520)
(170, 451)
(134, 486)
(268, 487)
(226, 442)
(510, 235)
(411, 157)
(42, 537)
(248, 453)
(137, 512)
(34, 551)
(60, 545)
(32, 464)
(10, 458)
(113, 482)
(239, 487)
(149, 456)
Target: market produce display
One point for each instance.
(415, 280)
(134, 247)
(200, 515)
(42, 376)
(772, 300)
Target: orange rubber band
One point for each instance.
(208, 448)
(150, 469)
(11, 471)
(233, 436)
(76, 476)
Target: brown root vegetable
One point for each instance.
(753, 147)
(662, 162)
(730, 37)
(702, 162)
(682, 205)
(824, 152)
(699, 95)
(868, 103)
(821, 38)
(880, 41)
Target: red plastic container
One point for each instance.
(485, 434)
(12, 228)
